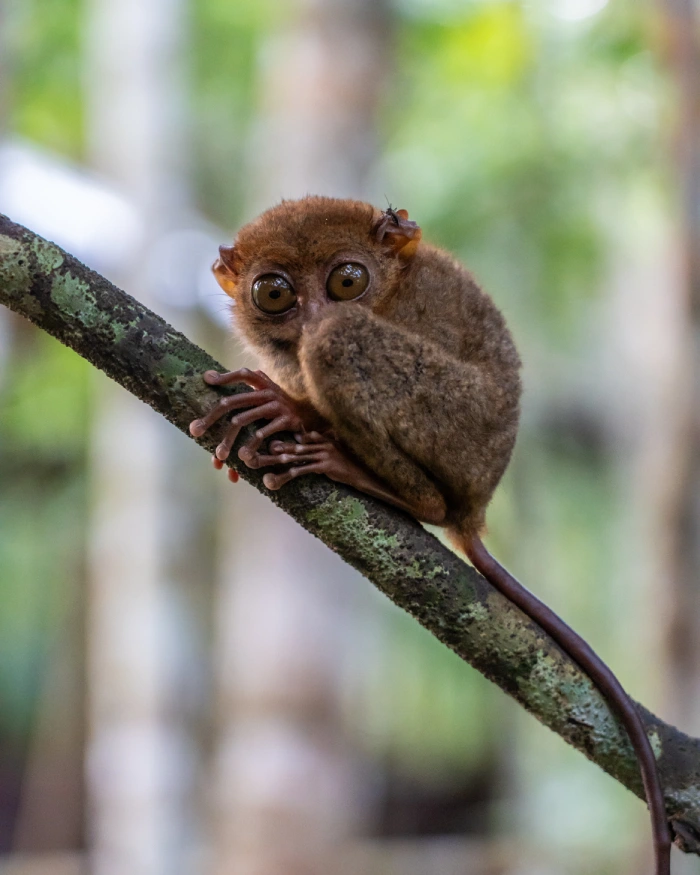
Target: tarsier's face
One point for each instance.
(301, 257)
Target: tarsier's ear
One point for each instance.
(224, 269)
(398, 233)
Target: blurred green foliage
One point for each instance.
(46, 95)
(44, 415)
(226, 43)
(511, 128)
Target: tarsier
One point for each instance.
(397, 376)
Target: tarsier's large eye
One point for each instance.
(273, 294)
(347, 281)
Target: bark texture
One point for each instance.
(160, 366)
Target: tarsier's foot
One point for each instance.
(310, 453)
(315, 453)
(266, 401)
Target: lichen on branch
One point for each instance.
(139, 350)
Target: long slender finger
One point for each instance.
(264, 460)
(237, 423)
(250, 448)
(261, 460)
(296, 450)
(282, 446)
(254, 379)
(276, 481)
(225, 405)
(310, 437)
(293, 458)
(280, 424)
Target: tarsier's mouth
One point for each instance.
(281, 344)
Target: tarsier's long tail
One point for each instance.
(573, 645)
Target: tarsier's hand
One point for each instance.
(267, 401)
(314, 449)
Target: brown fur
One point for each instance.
(419, 377)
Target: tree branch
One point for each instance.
(160, 366)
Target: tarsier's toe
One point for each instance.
(310, 437)
(260, 460)
(282, 447)
(222, 452)
(253, 457)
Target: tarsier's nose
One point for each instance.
(313, 306)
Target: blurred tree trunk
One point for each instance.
(139, 753)
(10, 774)
(640, 391)
(323, 79)
(286, 784)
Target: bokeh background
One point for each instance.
(191, 685)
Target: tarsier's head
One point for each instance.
(302, 256)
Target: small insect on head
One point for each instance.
(398, 234)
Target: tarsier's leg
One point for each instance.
(313, 453)
(376, 384)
